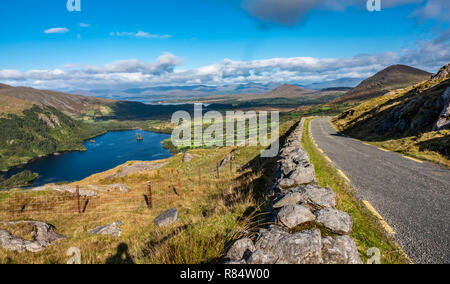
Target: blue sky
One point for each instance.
(122, 43)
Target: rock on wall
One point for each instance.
(299, 203)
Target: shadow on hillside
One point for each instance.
(259, 187)
(439, 145)
(410, 115)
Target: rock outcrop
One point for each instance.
(136, 167)
(300, 203)
(444, 118)
(441, 74)
(112, 229)
(43, 235)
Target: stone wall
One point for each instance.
(307, 228)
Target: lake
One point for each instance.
(108, 151)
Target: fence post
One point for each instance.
(150, 199)
(78, 199)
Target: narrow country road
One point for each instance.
(413, 197)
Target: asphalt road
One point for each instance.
(413, 198)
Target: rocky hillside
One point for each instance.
(415, 119)
(23, 98)
(391, 78)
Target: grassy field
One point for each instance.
(367, 232)
(212, 213)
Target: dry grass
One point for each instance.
(212, 213)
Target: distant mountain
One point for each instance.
(177, 92)
(338, 83)
(287, 91)
(391, 78)
(18, 99)
(344, 89)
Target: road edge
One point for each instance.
(384, 225)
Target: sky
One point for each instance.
(120, 44)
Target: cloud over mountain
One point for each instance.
(429, 55)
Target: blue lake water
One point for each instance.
(108, 151)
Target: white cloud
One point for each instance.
(429, 55)
(56, 31)
(140, 34)
(84, 25)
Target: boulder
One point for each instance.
(334, 220)
(340, 250)
(303, 175)
(44, 235)
(318, 197)
(167, 218)
(291, 198)
(112, 229)
(275, 246)
(292, 216)
(240, 249)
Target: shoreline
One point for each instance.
(4, 172)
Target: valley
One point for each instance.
(220, 193)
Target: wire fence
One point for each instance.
(168, 186)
